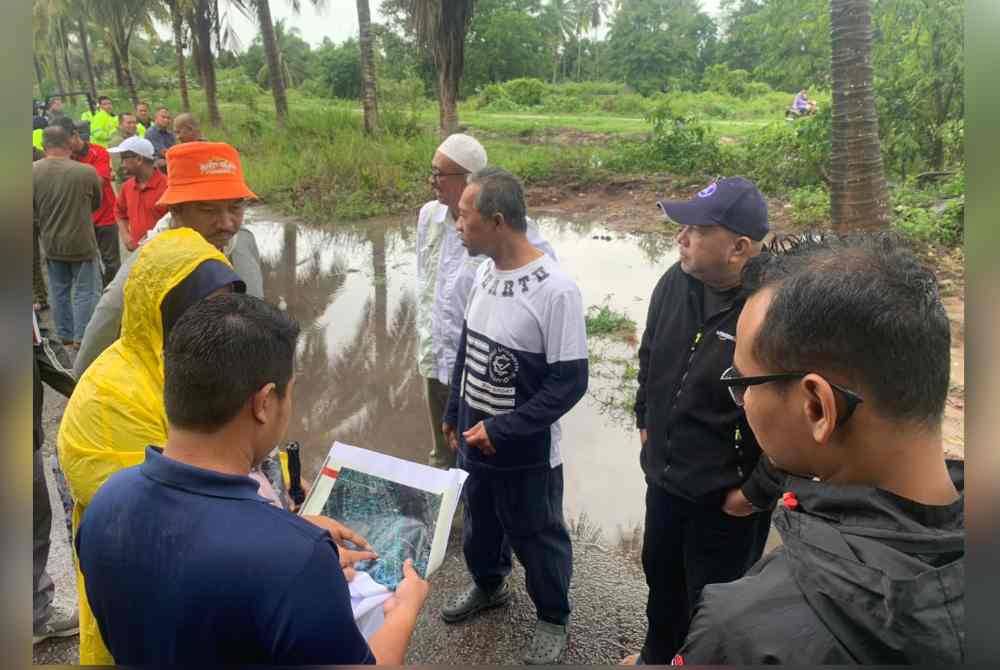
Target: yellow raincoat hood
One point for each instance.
(117, 408)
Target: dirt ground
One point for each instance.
(629, 205)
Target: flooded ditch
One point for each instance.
(352, 289)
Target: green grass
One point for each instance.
(603, 321)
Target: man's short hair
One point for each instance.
(102, 98)
(862, 306)
(221, 351)
(500, 191)
(124, 115)
(55, 137)
(162, 109)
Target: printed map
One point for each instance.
(397, 520)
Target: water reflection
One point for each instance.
(352, 289)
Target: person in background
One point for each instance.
(55, 110)
(186, 128)
(136, 210)
(49, 369)
(843, 355)
(104, 122)
(228, 599)
(98, 158)
(143, 120)
(39, 293)
(521, 365)
(64, 193)
(205, 191)
(161, 137)
(708, 492)
(802, 105)
(445, 273)
(127, 127)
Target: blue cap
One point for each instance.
(733, 202)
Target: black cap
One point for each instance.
(83, 127)
(733, 202)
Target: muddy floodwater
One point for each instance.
(352, 289)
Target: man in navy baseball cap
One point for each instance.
(731, 202)
(708, 489)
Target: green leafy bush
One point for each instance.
(527, 92)
(810, 206)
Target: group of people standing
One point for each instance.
(803, 386)
(126, 153)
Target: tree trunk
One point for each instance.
(85, 47)
(178, 25)
(129, 82)
(275, 74)
(117, 64)
(196, 54)
(448, 104)
(64, 48)
(39, 74)
(58, 75)
(203, 19)
(858, 194)
(369, 99)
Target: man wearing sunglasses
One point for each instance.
(842, 363)
(708, 491)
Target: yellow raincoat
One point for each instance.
(117, 408)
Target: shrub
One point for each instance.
(810, 206)
(526, 91)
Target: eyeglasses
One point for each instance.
(738, 384)
(436, 175)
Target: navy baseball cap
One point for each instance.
(732, 202)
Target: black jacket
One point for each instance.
(699, 444)
(864, 576)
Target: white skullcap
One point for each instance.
(465, 151)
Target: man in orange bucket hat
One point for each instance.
(206, 191)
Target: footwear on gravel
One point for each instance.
(473, 600)
(547, 644)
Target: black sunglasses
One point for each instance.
(738, 384)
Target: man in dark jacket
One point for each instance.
(842, 362)
(708, 492)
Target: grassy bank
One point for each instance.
(322, 167)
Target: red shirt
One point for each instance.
(99, 158)
(137, 204)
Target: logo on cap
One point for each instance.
(708, 190)
(218, 166)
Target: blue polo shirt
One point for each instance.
(190, 566)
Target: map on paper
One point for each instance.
(403, 509)
(396, 519)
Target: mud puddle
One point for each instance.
(352, 290)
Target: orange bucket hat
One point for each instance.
(203, 171)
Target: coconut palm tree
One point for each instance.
(561, 17)
(369, 94)
(122, 19)
(441, 25)
(177, 9)
(858, 193)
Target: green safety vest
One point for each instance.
(36, 138)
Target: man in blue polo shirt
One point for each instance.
(184, 561)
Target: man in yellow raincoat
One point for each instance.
(117, 408)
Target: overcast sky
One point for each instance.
(338, 21)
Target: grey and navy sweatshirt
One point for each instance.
(521, 365)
